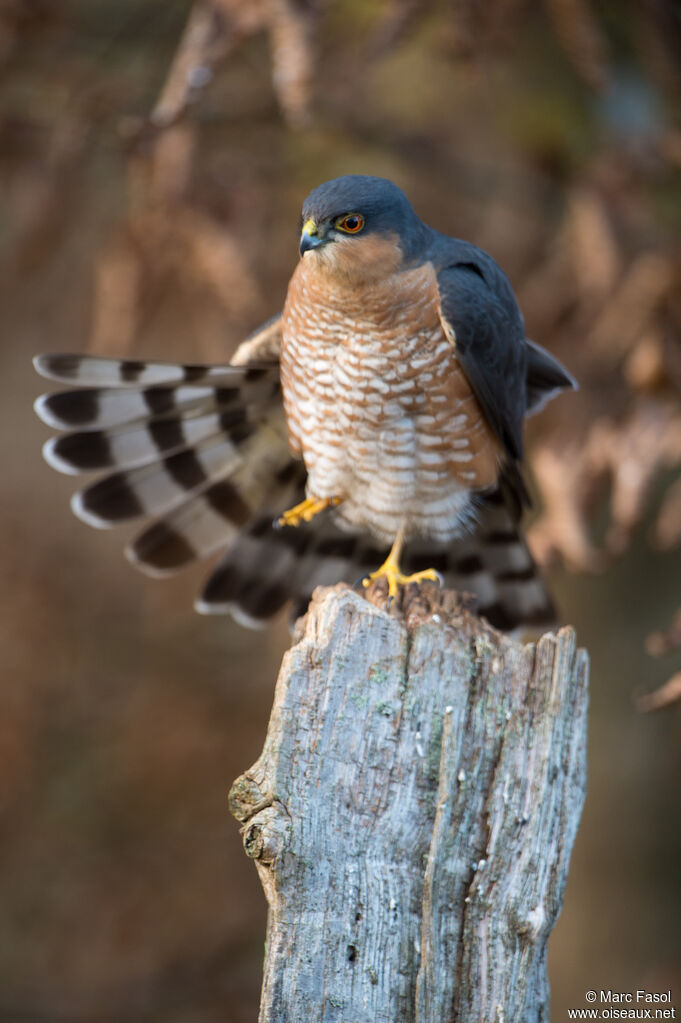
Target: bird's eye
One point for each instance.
(351, 223)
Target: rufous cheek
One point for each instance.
(368, 257)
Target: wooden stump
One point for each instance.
(412, 813)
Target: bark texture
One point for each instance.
(412, 813)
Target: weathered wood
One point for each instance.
(412, 814)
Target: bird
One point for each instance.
(372, 429)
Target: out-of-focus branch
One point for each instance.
(659, 644)
(628, 455)
(580, 36)
(665, 696)
(216, 27)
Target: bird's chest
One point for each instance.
(375, 399)
(356, 361)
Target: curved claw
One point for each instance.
(390, 571)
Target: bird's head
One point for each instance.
(360, 227)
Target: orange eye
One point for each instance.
(351, 223)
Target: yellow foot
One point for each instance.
(306, 510)
(390, 570)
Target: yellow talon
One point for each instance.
(390, 570)
(306, 510)
(395, 578)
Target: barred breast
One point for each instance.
(378, 406)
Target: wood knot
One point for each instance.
(264, 837)
(246, 798)
(533, 924)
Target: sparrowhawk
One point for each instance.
(405, 374)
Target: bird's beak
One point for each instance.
(310, 237)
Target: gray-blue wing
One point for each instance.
(511, 376)
(546, 378)
(477, 303)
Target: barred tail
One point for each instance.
(266, 569)
(201, 451)
(495, 564)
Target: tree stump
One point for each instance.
(412, 813)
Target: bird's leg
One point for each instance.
(390, 569)
(306, 510)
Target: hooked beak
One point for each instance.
(310, 237)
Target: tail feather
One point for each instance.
(151, 489)
(269, 568)
(204, 523)
(98, 408)
(134, 445)
(94, 372)
(252, 582)
(495, 564)
(254, 579)
(265, 569)
(492, 562)
(103, 408)
(224, 513)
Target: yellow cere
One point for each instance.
(309, 227)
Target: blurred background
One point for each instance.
(153, 158)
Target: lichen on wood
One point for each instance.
(413, 811)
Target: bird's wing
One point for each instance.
(263, 345)
(481, 318)
(545, 378)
